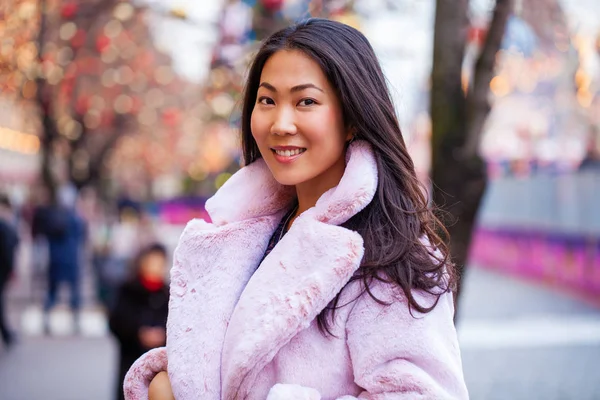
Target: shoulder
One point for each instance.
(386, 301)
(377, 331)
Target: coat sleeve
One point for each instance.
(396, 355)
(143, 370)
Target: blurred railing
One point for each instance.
(545, 226)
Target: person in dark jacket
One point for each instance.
(138, 319)
(9, 241)
(65, 232)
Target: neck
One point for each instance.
(309, 192)
(151, 283)
(306, 200)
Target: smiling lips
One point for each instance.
(287, 154)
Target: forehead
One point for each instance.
(154, 255)
(287, 68)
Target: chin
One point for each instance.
(287, 179)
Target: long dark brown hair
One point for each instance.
(405, 243)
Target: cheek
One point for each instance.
(257, 126)
(329, 127)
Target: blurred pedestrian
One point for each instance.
(38, 201)
(65, 232)
(322, 273)
(9, 241)
(116, 248)
(138, 319)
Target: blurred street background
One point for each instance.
(119, 118)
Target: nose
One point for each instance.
(284, 123)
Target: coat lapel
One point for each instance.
(212, 265)
(294, 283)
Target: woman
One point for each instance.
(321, 275)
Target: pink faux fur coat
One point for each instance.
(238, 332)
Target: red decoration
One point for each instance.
(69, 10)
(136, 105)
(107, 118)
(48, 57)
(145, 59)
(171, 117)
(102, 43)
(70, 72)
(87, 66)
(476, 35)
(82, 105)
(66, 88)
(78, 39)
(272, 5)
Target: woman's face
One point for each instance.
(297, 122)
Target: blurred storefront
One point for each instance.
(19, 152)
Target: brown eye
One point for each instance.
(307, 102)
(265, 100)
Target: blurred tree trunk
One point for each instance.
(458, 173)
(49, 128)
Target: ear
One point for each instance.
(351, 134)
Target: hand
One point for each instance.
(151, 337)
(160, 388)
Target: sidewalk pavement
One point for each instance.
(59, 368)
(524, 341)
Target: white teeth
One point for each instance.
(289, 153)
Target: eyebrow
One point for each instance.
(297, 88)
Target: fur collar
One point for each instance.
(227, 318)
(253, 192)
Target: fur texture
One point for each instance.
(237, 332)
